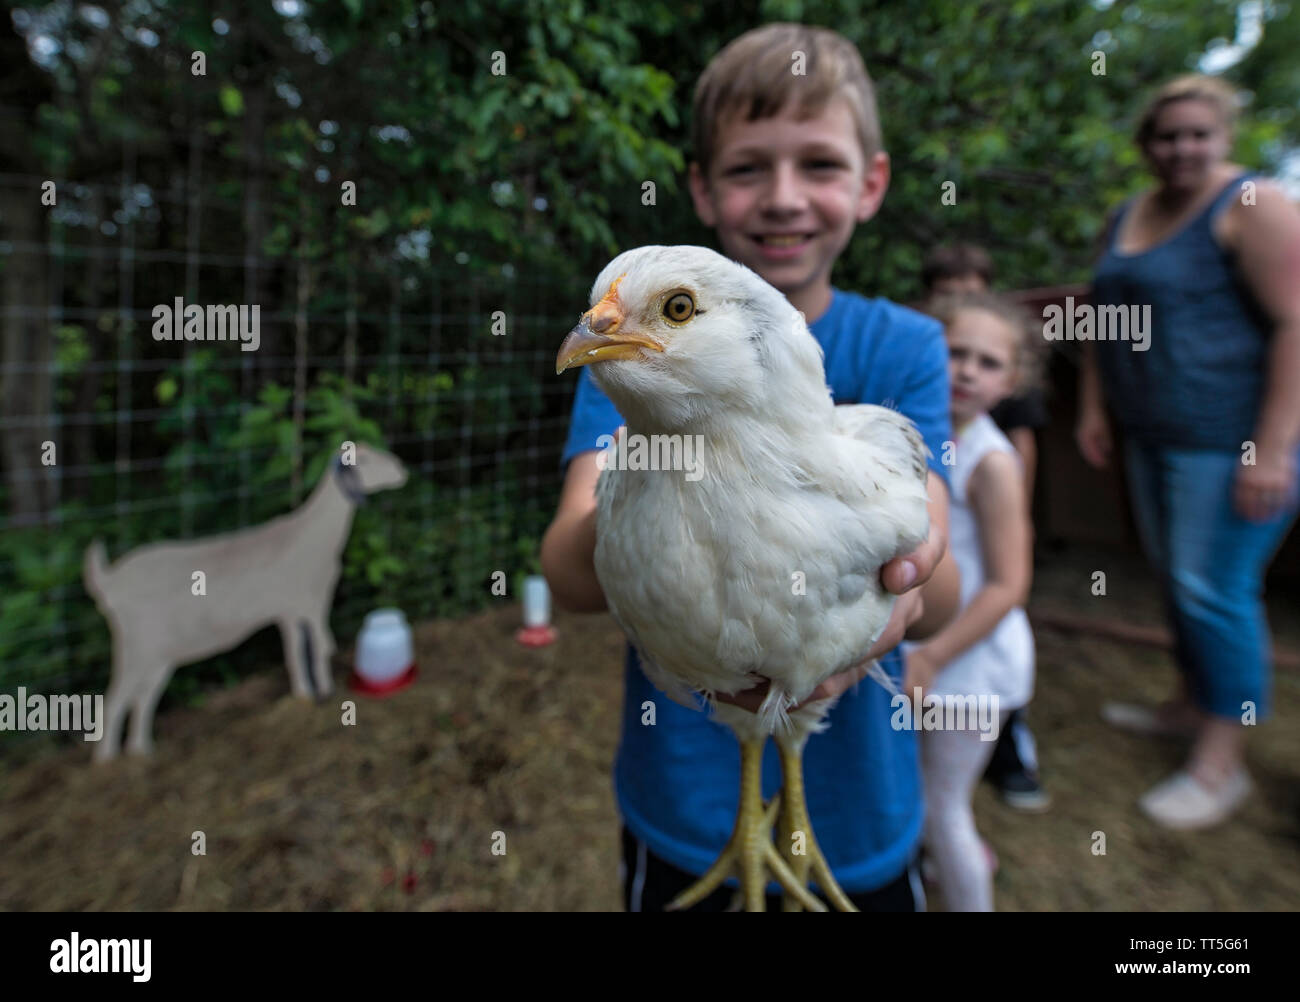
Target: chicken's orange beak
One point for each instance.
(597, 338)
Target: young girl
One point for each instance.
(987, 650)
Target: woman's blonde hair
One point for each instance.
(1215, 91)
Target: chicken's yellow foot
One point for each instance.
(749, 852)
(795, 835)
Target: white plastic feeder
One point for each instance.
(537, 630)
(385, 654)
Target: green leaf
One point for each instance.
(232, 101)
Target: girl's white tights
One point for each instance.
(952, 763)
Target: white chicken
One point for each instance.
(764, 563)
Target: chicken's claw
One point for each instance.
(749, 852)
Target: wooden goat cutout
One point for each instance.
(283, 572)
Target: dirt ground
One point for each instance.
(398, 812)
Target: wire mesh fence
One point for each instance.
(112, 433)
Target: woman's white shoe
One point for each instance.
(1183, 803)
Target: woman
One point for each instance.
(1210, 411)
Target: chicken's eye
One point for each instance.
(679, 307)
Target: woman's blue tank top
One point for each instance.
(1200, 381)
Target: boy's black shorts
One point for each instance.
(649, 883)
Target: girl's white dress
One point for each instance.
(1002, 663)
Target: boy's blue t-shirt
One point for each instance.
(677, 782)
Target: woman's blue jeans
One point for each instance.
(1211, 564)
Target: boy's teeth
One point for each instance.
(787, 241)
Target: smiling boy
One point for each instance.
(788, 160)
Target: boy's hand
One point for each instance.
(904, 573)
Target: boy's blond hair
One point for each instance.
(758, 74)
(1217, 93)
